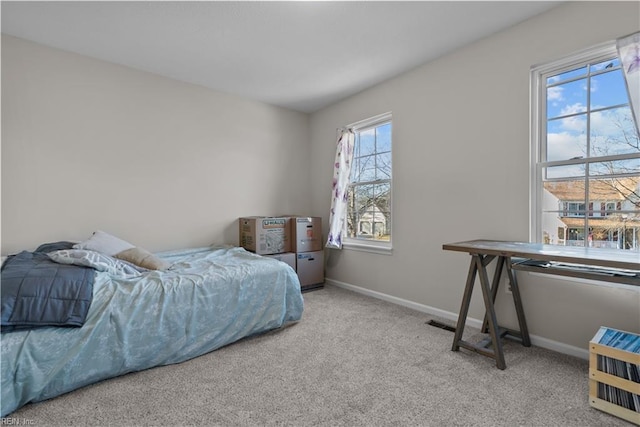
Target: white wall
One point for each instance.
(92, 145)
(461, 170)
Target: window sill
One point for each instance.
(366, 247)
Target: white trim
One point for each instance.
(582, 353)
(560, 347)
(405, 303)
(371, 121)
(569, 61)
(354, 245)
(535, 204)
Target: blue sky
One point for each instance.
(567, 127)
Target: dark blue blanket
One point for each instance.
(39, 292)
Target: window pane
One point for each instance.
(367, 143)
(553, 229)
(367, 169)
(617, 167)
(559, 193)
(363, 169)
(559, 172)
(623, 192)
(567, 75)
(608, 89)
(358, 201)
(383, 134)
(374, 219)
(567, 138)
(611, 63)
(355, 167)
(383, 166)
(613, 132)
(568, 98)
(615, 220)
(560, 229)
(370, 209)
(564, 212)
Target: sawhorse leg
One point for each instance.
(494, 290)
(478, 266)
(517, 301)
(523, 333)
(464, 309)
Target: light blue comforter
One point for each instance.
(210, 297)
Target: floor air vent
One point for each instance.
(441, 325)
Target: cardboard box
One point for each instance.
(265, 235)
(310, 268)
(287, 257)
(306, 234)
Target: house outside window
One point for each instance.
(369, 204)
(585, 174)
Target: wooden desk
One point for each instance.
(609, 265)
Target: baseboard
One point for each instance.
(453, 317)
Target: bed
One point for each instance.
(206, 298)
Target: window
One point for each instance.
(585, 181)
(573, 209)
(369, 206)
(609, 208)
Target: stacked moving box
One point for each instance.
(294, 240)
(306, 242)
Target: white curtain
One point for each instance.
(629, 54)
(339, 193)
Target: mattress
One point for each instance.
(210, 297)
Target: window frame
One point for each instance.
(372, 245)
(538, 129)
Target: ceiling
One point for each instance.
(299, 55)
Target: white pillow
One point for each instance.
(104, 243)
(95, 260)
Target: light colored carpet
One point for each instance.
(352, 361)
